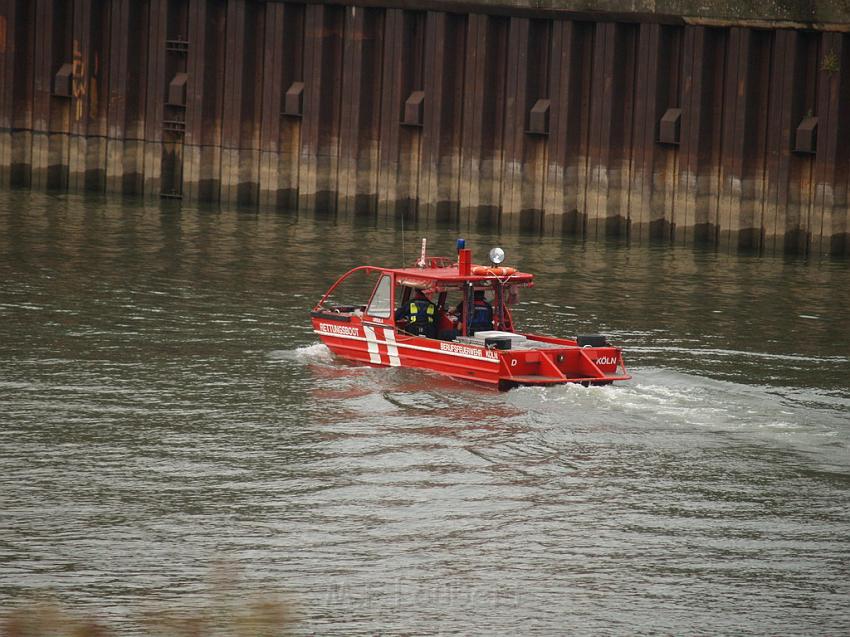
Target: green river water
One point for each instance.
(166, 412)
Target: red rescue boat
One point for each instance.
(381, 331)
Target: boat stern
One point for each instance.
(558, 365)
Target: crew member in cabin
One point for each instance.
(482, 313)
(447, 324)
(420, 314)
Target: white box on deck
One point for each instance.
(496, 334)
(517, 340)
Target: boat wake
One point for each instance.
(738, 354)
(313, 353)
(664, 399)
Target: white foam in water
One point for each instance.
(736, 353)
(314, 352)
(306, 353)
(675, 400)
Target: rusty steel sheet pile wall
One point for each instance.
(728, 134)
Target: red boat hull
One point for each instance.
(545, 361)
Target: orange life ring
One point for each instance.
(483, 270)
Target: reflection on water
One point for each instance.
(164, 405)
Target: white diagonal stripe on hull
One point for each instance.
(392, 350)
(372, 344)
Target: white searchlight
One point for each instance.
(497, 255)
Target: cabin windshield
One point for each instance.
(381, 304)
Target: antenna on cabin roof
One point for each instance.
(421, 263)
(403, 257)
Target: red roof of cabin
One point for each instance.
(450, 276)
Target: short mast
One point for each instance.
(421, 262)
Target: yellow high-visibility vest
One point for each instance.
(414, 312)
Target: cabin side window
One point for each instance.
(381, 303)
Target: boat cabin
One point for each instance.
(454, 297)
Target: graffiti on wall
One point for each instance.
(84, 83)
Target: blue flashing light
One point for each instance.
(461, 244)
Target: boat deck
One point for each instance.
(519, 342)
